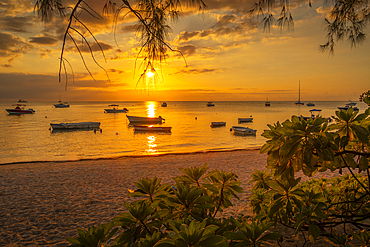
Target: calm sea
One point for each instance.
(29, 138)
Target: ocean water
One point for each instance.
(28, 138)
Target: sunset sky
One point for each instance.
(229, 58)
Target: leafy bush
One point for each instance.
(183, 215)
(336, 209)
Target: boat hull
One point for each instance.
(81, 125)
(115, 111)
(243, 130)
(18, 112)
(151, 128)
(244, 120)
(147, 120)
(61, 106)
(218, 124)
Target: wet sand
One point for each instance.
(43, 203)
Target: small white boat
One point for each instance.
(210, 104)
(245, 120)
(60, 104)
(310, 104)
(81, 125)
(114, 109)
(152, 128)
(19, 109)
(147, 120)
(164, 104)
(314, 114)
(243, 130)
(217, 124)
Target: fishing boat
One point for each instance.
(151, 128)
(147, 120)
(19, 109)
(310, 104)
(164, 104)
(245, 120)
(210, 103)
(299, 96)
(218, 124)
(243, 130)
(61, 104)
(114, 109)
(81, 125)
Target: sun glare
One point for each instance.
(149, 74)
(150, 109)
(152, 146)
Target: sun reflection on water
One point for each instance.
(152, 145)
(151, 106)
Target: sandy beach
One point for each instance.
(43, 203)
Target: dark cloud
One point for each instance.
(187, 50)
(129, 28)
(18, 24)
(43, 40)
(225, 20)
(237, 6)
(239, 28)
(115, 71)
(11, 47)
(195, 71)
(94, 47)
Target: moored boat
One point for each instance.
(22, 101)
(310, 104)
(80, 125)
(314, 114)
(245, 120)
(267, 102)
(19, 109)
(164, 104)
(243, 130)
(299, 96)
(152, 128)
(147, 120)
(114, 109)
(61, 104)
(210, 104)
(345, 108)
(218, 124)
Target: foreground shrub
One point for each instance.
(181, 215)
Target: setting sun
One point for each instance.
(149, 74)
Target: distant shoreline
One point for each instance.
(131, 156)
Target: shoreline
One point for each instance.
(129, 156)
(43, 203)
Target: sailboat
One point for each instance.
(299, 96)
(267, 102)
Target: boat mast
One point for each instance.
(299, 92)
